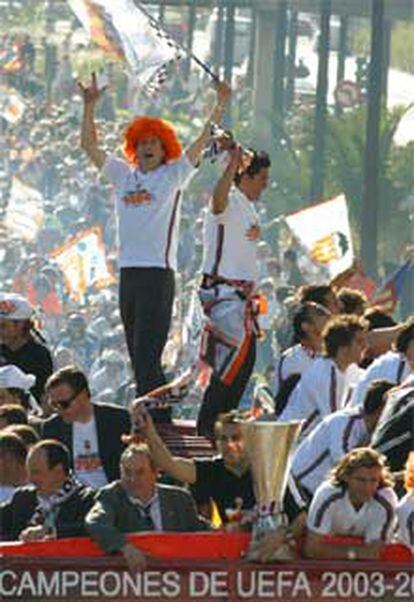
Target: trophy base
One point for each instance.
(271, 540)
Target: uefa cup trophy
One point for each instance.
(268, 446)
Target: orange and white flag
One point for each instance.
(83, 262)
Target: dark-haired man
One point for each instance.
(326, 386)
(231, 233)
(13, 452)
(308, 323)
(54, 505)
(91, 431)
(335, 436)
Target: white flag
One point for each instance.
(82, 259)
(24, 212)
(125, 32)
(324, 233)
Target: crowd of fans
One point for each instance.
(78, 456)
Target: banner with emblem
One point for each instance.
(126, 32)
(323, 232)
(24, 213)
(83, 262)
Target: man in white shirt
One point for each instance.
(148, 189)
(358, 500)
(91, 431)
(308, 323)
(325, 387)
(231, 233)
(335, 436)
(394, 366)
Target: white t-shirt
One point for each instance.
(295, 360)
(332, 513)
(322, 390)
(318, 453)
(390, 366)
(405, 516)
(86, 460)
(227, 251)
(148, 231)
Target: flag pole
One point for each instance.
(195, 58)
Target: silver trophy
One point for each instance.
(268, 446)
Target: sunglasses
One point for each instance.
(63, 404)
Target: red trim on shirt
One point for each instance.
(170, 228)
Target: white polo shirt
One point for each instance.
(405, 516)
(227, 251)
(148, 231)
(322, 390)
(318, 453)
(332, 513)
(295, 360)
(392, 366)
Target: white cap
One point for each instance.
(11, 377)
(14, 307)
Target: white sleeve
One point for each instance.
(183, 170)
(115, 170)
(320, 514)
(382, 528)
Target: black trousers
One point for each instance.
(146, 298)
(219, 398)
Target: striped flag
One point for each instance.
(390, 291)
(126, 32)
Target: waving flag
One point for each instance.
(126, 32)
(389, 293)
(323, 232)
(12, 105)
(82, 260)
(24, 212)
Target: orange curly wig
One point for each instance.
(145, 127)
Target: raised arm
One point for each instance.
(221, 191)
(195, 150)
(182, 469)
(89, 137)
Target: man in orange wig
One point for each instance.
(148, 187)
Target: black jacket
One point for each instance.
(111, 422)
(16, 514)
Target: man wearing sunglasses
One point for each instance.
(91, 431)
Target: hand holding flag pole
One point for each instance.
(157, 25)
